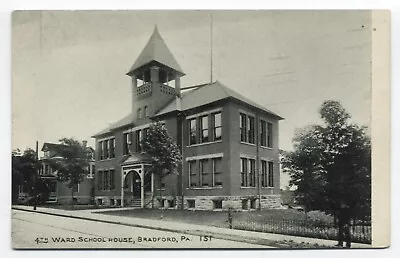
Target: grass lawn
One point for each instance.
(212, 218)
(284, 221)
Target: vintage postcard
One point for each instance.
(246, 129)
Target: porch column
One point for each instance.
(132, 182)
(142, 186)
(152, 185)
(122, 187)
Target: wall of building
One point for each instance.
(230, 147)
(85, 195)
(204, 150)
(238, 149)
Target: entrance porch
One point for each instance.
(137, 181)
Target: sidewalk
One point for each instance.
(268, 239)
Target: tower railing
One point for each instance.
(144, 88)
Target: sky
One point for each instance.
(68, 67)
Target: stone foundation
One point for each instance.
(239, 203)
(78, 199)
(233, 202)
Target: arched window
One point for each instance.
(139, 113)
(146, 114)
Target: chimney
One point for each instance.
(178, 86)
(134, 90)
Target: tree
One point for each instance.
(24, 169)
(304, 167)
(71, 163)
(331, 163)
(163, 150)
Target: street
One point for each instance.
(35, 230)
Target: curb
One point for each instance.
(248, 240)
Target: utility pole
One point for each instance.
(258, 131)
(35, 176)
(211, 49)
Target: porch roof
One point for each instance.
(136, 158)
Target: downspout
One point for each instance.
(258, 131)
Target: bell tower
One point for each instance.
(155, 78)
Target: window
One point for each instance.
(252, 203)
(146, 112)
(217, 204)
(243, 172)
(106, 181)
(100, 180)
(264, 172)
(192, 131)
(145, 131)
(217, 172)
(263, 133)
(247, 128)
(112, 181)
(243, 128)
(252, 173)
(248, 172)
(112, 148)
(101, 154)
(191, 204)
(193, 179)
(245, 204)
(139, 137)
(270, 174)
(105, 149)
(53, 187)
(269, 137)
(205, 179)
(204, 129)
(250, 132)
(139, 113)
(171, 203)
(217, 131)
(127, 143)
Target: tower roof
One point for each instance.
(156, 50)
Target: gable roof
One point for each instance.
(209, 93)
(48, 146)
(135, 158)
(126, 120)
(156, 50)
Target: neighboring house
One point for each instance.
(229, 143)
(59, 192)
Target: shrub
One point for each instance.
(319, 218)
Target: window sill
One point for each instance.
(265, 147)
(247, 143)
(201, 144)
(105, 159)
(204, 188)
(267, 187)
(247, 187)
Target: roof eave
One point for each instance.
(263, 110)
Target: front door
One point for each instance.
(136, 184)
